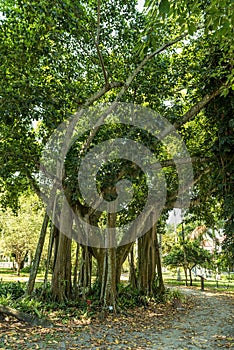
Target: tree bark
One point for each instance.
(53, 232)
(190, 277)
(132, 272)
(108, 288)
(148, 259)
(85, 271)
(142, 277)
(121, 255)
(75, 273)
(36, 261)
(186, 275)
(61, 279)
(161, 286)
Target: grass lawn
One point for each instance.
(210, 284)
(9, 275)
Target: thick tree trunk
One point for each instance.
(61, 279)
(148, 259)
(110, 287)
(36, 261)
(202, 282)
(120, 255)
(20, 260)
(146, 262)
(142, 277)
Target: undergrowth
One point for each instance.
(42, 305)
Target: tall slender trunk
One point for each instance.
(36, 261)
(109, 290)
(190, 277)
(186, 274)
(185, 263)
(142, 277)
(100, 265)
(152, 256)
(53, 232)
(132, 272)
(85, 271)
(104, 274)
(122, 253)
(75, 273)
(161, 286)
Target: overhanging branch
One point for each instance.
(194, 110)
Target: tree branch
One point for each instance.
(146, 59)
(172, 199)
(96, 42)
(193, 111)
(125, 88)
(101, 92)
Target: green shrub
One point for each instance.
(31, 306)
(26, 269)
(230, 277)
(172, 294)
(13, 289)
(129, 297)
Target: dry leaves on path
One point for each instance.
(203, 322)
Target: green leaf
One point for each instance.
(192, 28)
(164, 6)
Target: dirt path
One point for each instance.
(207, 325)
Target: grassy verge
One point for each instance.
(9, 275)
(210, 284)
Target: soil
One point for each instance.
(203, 321)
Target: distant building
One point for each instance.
(210, 240)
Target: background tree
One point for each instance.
(188, 255)
(19, 232)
